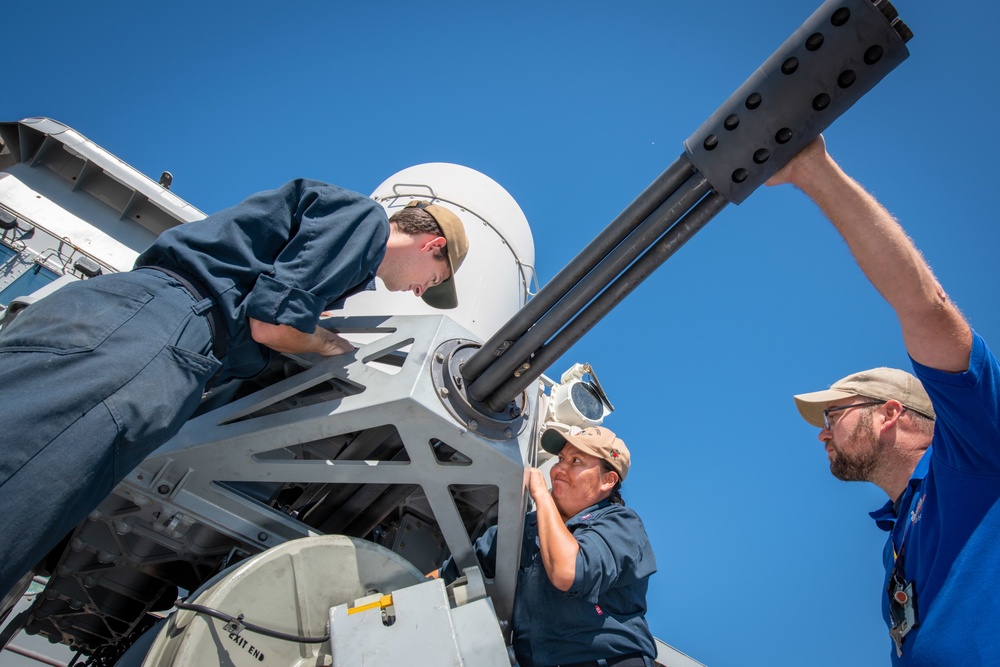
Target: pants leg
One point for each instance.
(92, 379)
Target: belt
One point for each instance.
(197, 289)
(630, 660)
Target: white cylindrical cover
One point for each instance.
(493, 282)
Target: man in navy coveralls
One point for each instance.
(97, 375)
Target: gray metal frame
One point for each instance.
(227, 444)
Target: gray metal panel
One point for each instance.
(668, 656)
(426, 632)
(86, 166)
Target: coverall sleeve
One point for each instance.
(614, 550)
(486, 552)
(328, 242)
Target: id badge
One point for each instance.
(902, 611)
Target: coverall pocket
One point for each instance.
(76, 318)
(154, 405)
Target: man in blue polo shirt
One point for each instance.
(97, 375)
(932, 444)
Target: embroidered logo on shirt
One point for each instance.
(917, 512)
(600, 612)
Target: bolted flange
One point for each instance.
(475, 415)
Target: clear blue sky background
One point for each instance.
(574, 107)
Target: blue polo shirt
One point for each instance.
(281, 256)
(951, 516)
(603, 613)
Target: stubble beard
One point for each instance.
(860, 466)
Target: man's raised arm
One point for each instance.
(935, 332)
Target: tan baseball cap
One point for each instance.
(596, 441)
(883, 384)
(444, 295)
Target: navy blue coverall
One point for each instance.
(603, 614)
(99, 374)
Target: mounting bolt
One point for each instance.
(444, 392)
(163, 489)
(507, 433)
(473, 425)
(439, 358)
(262, 537)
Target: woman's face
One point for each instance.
(579, 481)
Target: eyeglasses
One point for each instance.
(826, 413)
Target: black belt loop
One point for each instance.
(220, 336)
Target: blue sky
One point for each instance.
(574, 107)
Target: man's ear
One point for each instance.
(893, 410)
(434, 244)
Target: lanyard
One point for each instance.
(897, 554)
(902, 596)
